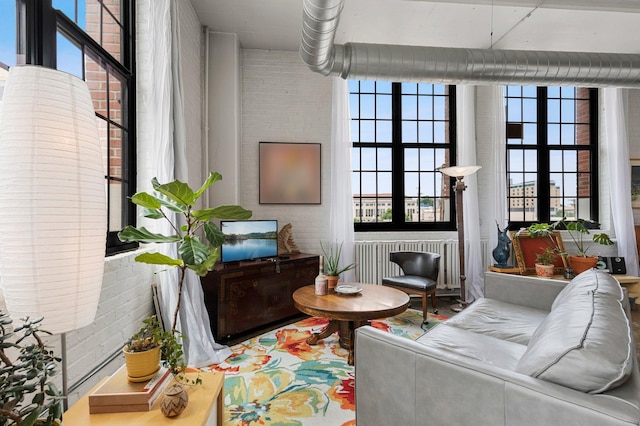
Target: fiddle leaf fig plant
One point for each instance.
(194, 252)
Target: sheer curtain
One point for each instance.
(164, 121)
(465, 105)
(341, 209)
(497, 169)
(617, 145)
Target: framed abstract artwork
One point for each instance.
(290, 173)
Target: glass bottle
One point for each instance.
(321, 280)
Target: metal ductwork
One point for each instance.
(320, 20)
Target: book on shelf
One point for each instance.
(118, 394)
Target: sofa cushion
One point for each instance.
(498, 319)
(590, 280)
(585, 342)
(457, 343)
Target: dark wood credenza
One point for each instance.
(245, 297)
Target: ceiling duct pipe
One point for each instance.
(453, 65)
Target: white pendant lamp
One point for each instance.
(52, 199)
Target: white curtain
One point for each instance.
(617, 145)
(497, 169)
(166, 126)
(341, 198)
(465, 104)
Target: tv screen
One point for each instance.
(249, 239)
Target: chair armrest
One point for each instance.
(538, 293)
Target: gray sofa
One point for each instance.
(532, 352)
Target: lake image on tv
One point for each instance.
(252, 248)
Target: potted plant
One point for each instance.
(144, 350)
(28, 396)
(195, 253)
(544, 262)
(579, 232)
(332, 264)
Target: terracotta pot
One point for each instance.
(142, 365)
(545, 271)
(332, 282)
(581, 264)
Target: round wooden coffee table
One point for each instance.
(349, 311)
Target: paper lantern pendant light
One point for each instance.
(52, 199)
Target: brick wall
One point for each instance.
(283, 101)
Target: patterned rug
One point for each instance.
(278, 379)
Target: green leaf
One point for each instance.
(222, 212)
(143, 235)
(213, 177)
(193, 251)
(177, 191)
(158, 259)
(32, 417)
(152, 213)
(214, 234)
(146, 200)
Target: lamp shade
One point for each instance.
(459, 171)
(52, 199)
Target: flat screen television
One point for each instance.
(249, 239)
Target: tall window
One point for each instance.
(552, 162)
(94, 40)
(402, 133)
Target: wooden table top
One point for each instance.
(202, 399)
(374, 301)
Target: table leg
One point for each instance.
(331, 328)
(347, 336)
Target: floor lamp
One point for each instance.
(53, 218)
(459, 172)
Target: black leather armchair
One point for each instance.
(420, 276)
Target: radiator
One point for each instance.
(372, 259)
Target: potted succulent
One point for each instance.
(544, 262)
(28, 395)
(332, 264)
(578, 233)
(195, 253)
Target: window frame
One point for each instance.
(37, 40)
(543, 150)
(397, 146)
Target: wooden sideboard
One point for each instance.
(245, 297)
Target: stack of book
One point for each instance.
(117, 394)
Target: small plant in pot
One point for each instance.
(545, 262)
(28, 395)
(147, 347)
(332, 269)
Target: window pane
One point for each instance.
(69, 56)
(384, 131)
(384, 159)
(7, 35)
(409, 131)
(409, 107)
(383, 107)
(367, 106)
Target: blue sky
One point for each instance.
(69, 56)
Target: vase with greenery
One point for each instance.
(332, 268)
(28, 395)
(197, 237)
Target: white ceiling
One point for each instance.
(561, 25)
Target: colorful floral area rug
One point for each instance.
(277, 379)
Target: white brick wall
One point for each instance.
(283, 101)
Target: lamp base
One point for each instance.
(459, 307)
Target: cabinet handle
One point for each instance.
(254, 283)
